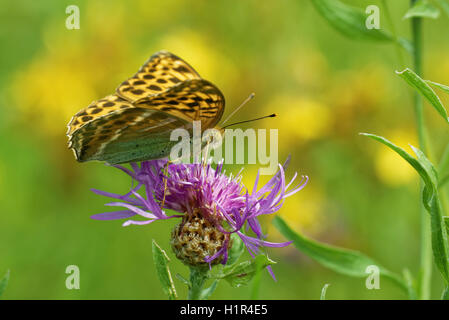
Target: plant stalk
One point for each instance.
(198, 277)
(393, 31)
(425, 273)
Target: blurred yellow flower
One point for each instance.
(49, 93)
(71, 71)
(308, 67)
(357, 94)
(363, 89)
(301, 119)
(201, 55)
(304, 210)
(390, 167)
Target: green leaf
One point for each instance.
(206, 293)
(241, 274)
(161, 261)
(344, 261)
(445, 295)
(255, 285)
(445, 5)
(409, 281)
(422, 9)
(446, 223)
(350, 21)
(236, 250)
(439, 232)
(407, 45)
(439, 86)
(443, 167)
(4, 282)
(425, 90)
(183, 280)
(323, 291)
(198, 277)
(431, 202)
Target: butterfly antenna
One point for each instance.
(252, 95)
(240, 122)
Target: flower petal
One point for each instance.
(115, 215)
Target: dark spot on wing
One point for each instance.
(154, 87)
(181, 69)
(137, 92)
(95, 111)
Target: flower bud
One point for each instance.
(195, 238)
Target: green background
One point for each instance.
(324, 87)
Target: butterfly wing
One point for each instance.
(162, 71)
(113, 134)
(135, 123)
(191, 100)
(95, 110)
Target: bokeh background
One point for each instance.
(324, 87)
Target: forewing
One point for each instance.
(124, 125)
(196, 99)
(162, 71)
(95, 110)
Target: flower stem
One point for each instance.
(198, 276)
(445, 294)
(425, 273)
(393, 31)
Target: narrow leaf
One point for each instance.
(431, 202)
(422, 9)
(446, 223)
(163, 272)
(242, 273)
(206, 293)
(409, 281)
(443, 167)
(4, 282)
(236, 250)
(407, 157)
(183, 280)
(344, 261)
(445, 295)
(439, 86)
(425, 90)
(350, 21)
(407, 45)
(445, 5)
(255, 285)
(323, 292)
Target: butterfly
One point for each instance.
(134, 123)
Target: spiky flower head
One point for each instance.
(212, 206)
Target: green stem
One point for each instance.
(198, 277)
(445, 294)
(393, 31)
(443, 166)
(425, 275)
(443, 173)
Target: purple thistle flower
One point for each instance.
(204, 197)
